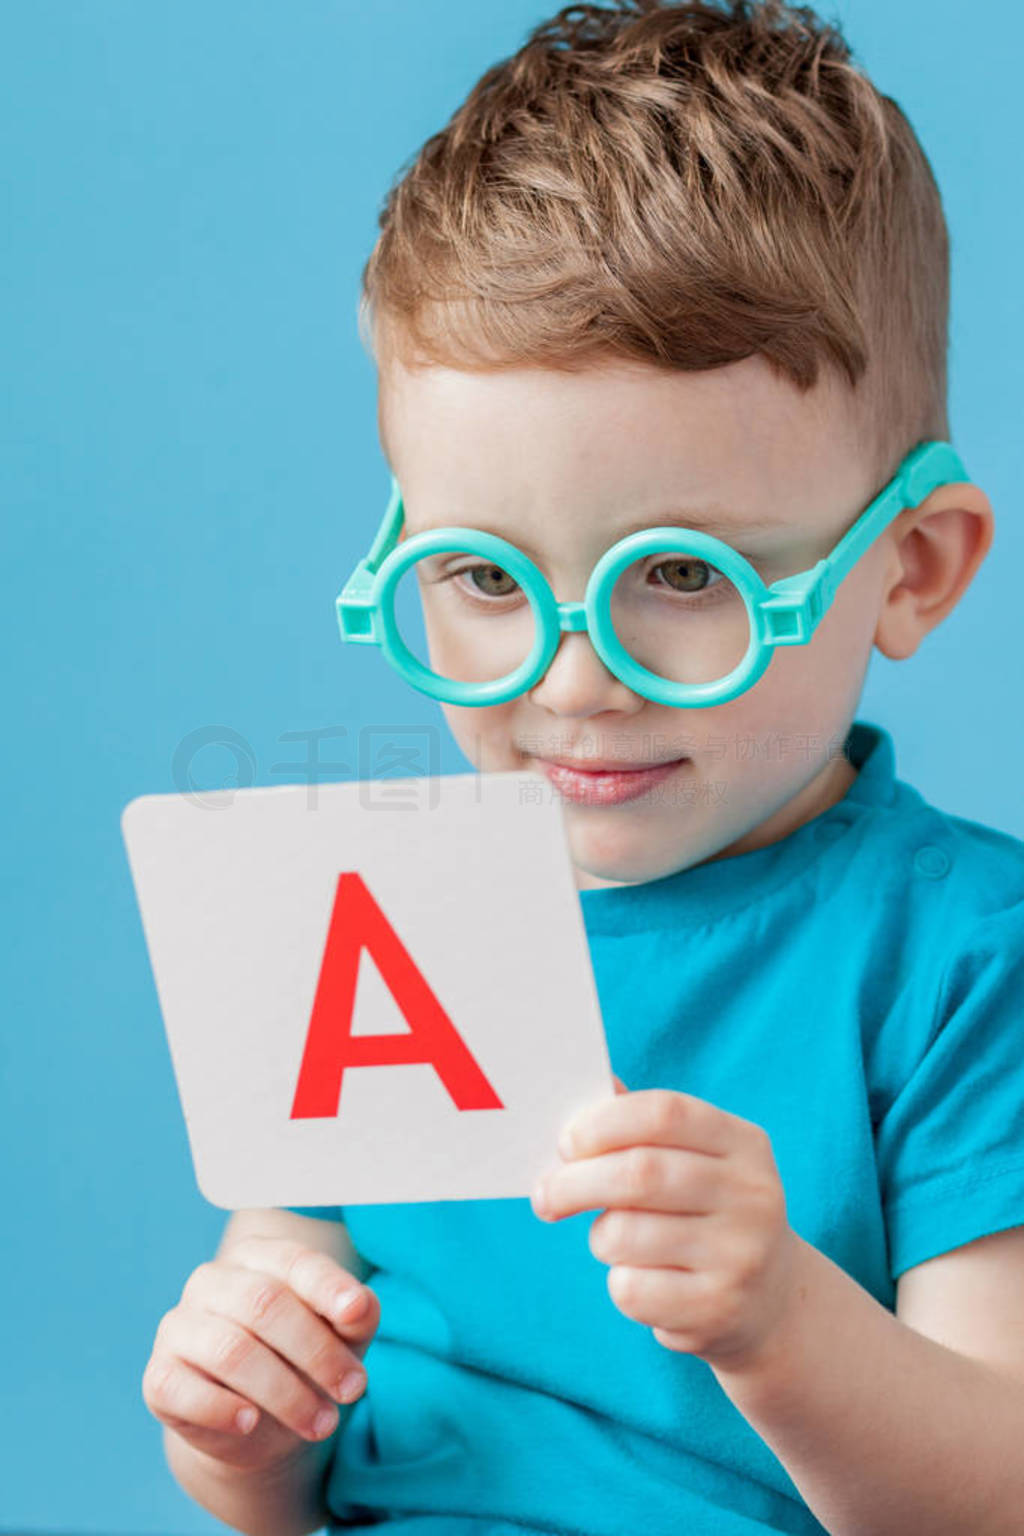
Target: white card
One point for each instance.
(266, 919)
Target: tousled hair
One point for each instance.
(683, 185)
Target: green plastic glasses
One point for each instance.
(669, 639)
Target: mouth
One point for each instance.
(606, 784)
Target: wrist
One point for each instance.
(776, 1353)
(284, 1499)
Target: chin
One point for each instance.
(620, 859)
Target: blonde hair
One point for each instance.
(684, 185)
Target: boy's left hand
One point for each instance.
(695, 1227)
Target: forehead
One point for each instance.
(614, 445)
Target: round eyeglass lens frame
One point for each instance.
(787, 612)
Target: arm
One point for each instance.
(884, 1430)
(289, 1501)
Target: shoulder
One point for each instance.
(970, 879)
(933, 915)
(987, 863)
(953, 874)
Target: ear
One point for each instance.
(937, 548)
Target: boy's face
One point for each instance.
(562, 465)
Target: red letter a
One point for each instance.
(358, 923)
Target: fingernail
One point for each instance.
(539, 1200)
(350, 1386)
(350, 1303)
(324, 1421)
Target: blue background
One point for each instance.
(189, 469)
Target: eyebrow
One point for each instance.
(705, 520)
(702, 520)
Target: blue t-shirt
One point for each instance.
(857, 990)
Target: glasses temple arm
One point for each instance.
(387, 534)
(927, 466)
(355, 606)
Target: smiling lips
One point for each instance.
(606, 785)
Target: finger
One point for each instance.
(239, 1360)
(656, 1116)
(638, 1177)
(267, 1307)
(182, 1397)
(670, 1299)
(322, 1283)
(661, 1239)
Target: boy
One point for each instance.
(679, 266)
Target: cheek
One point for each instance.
(801, 701)
(486, 736)
(808, 693)
(823, 679)
(841, 647)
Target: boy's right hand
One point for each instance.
(259, 1328)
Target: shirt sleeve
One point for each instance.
(950, 1148)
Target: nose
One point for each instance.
(578, 683)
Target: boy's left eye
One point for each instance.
(490, 578)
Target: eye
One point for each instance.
(490, 580)
(689, 575)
